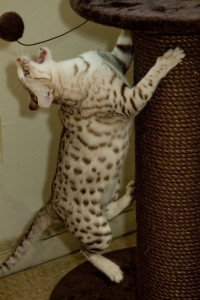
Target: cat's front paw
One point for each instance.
(170, 59)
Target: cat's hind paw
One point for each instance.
(115, 274)
(109, 268)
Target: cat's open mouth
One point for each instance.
(42, 56)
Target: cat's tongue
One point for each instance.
(40, 61)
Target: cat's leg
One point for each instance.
(132, 100)
(112, 209)
(99, 241)
(85, 220)
(40, 223)
(144, 90)
(115, 207)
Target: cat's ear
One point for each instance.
(33, 105)
(45, 55)
(45, 97)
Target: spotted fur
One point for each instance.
(96, 109)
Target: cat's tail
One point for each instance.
(121, 56)
(123, 50)
(40, 223)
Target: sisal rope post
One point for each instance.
(168, 173)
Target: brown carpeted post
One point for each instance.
(168, 173)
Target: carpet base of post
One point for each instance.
(87, 283)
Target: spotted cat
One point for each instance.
(97, 108)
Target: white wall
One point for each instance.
(29, 140)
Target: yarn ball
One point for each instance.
(11, 26)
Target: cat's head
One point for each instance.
(36, 77)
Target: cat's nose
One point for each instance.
(18, 60)
(23, 60)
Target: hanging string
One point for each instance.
(53, 37)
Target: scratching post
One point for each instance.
(168, 174)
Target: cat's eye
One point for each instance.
(26, 73)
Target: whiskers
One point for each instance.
(15, 53)
(17, 87)
(32, 51)
(22, 51)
